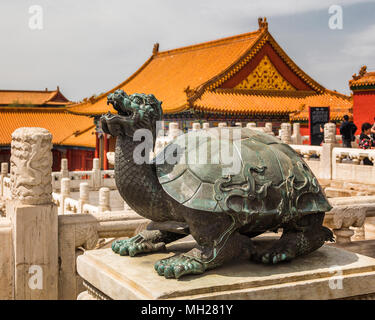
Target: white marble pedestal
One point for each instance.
(328, 273)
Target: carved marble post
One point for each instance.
(251, 125)
(83, 196)
(268, 128)
(238, 124)
(222, 125)
(173, 130)
(172, 126)
(64, 168)
(160, 125)
(96, 177)
(6, 260)
(296, 137)
(330, 133)
(31, 166)
(4, 169)
(206, 125)
(196, 126)
(327, 147)
(3, 174)
(65, 193)
(104, 196)
(342, 217)
(33, 215)
(286, 133)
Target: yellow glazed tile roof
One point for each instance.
(339, 104)
(66, 128)
(190, 77)
(24, 97)
(167, 74)
(368, 79)
(273, 102)
(83, 138)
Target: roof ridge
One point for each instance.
(36, 109)
(34, 91)
(51, 96)
(211, 43)
(54, 94)
(338, 94)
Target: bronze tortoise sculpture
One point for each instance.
(220, 204)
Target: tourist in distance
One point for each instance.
(373, 130)
(347, 131)
(366, 142)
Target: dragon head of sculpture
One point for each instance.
(136, 111)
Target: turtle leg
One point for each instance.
(218, 242)
(145, 242)
(298, 239)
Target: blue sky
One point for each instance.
(89, 46)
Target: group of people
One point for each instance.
(366, 139)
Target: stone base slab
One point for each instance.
(328, 273)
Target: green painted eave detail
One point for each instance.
(365, 87)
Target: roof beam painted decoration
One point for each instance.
(265, 77)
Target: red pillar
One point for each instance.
(106, 149)
(69, 159)
(83, 160)
(97, 145)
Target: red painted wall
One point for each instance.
(5, 155)
(304, 130)
(56, 160)
(79, 160)
(363, 108)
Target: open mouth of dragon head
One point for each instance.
(127, 116)
(136, 111)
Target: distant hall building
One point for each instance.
(73, 136)
(243, 78)
(363, 87)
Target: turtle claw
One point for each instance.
(274, 257)
(159, 267)
(123, 251)
(136, 245)
(116, 245)
(178, 266)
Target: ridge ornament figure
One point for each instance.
(273, 189)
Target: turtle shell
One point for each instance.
(238, 170)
